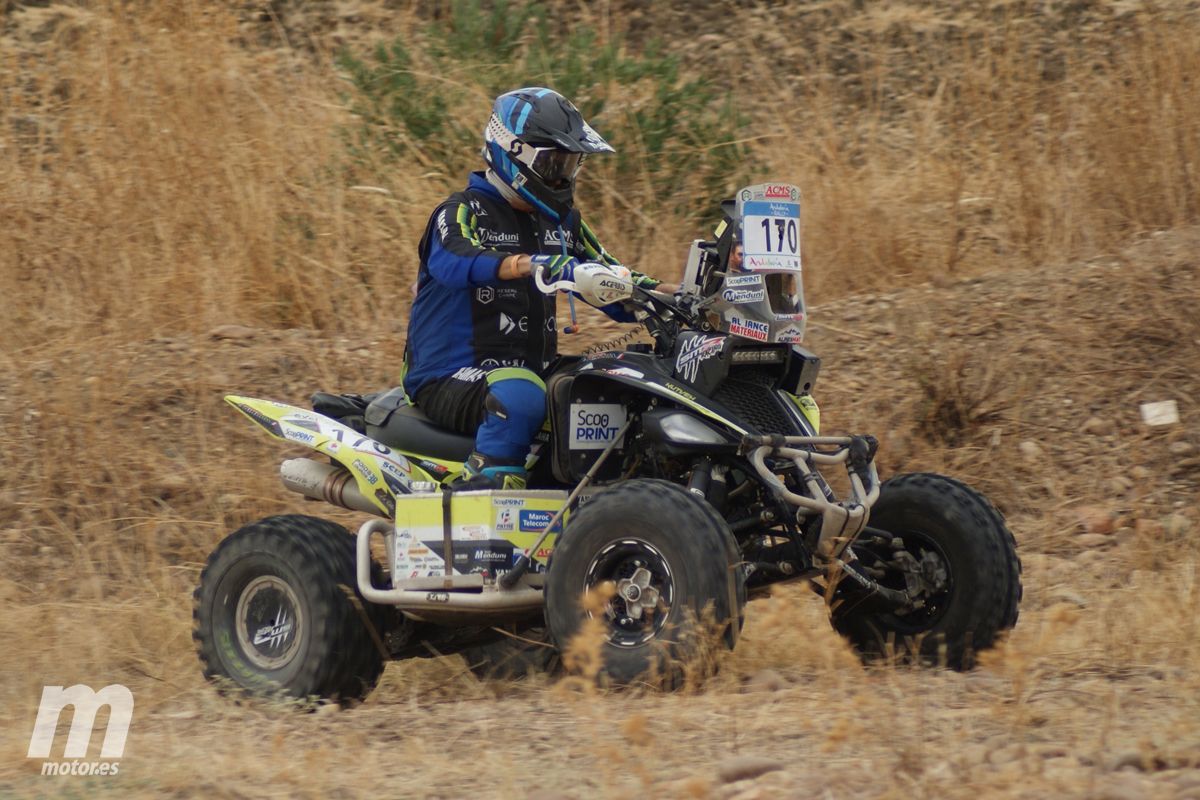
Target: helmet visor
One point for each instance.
(784, 293)
(556, 167)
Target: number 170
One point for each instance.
(783, 227)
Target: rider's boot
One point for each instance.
(484, 472)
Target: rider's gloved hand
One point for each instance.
(555, 268)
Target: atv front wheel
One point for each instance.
(953, 554)
(657, 571)
(275, 612)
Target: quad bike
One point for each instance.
(670, 483)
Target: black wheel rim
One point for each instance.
(643, 590)
(935, 597)
(269, 622)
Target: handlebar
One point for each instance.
(660, 314)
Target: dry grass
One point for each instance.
(168, 167)
(159, 175)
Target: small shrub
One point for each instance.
(958, 398)
(425, 97)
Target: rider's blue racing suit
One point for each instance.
(477, 345)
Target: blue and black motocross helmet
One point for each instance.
(535, 142)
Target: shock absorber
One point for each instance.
(701, 478)
(718, 487)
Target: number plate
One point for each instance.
(770, 227)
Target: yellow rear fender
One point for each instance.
(380, 471)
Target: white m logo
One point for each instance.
(86, 702)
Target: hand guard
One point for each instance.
(601, 284)
(596, 284)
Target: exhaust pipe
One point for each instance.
(332, 483)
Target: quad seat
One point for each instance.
(390, 418)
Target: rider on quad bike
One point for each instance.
(481, 333)
(671, 482)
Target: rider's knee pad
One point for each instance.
(517, 395)
(516, 408)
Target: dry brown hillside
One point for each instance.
(1002, 245)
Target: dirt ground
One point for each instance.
(1025, 384)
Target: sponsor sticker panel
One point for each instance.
(743, 281)
(792, 334)
(751, 329)
(744, 295)
(537, 521)
(488, 533)
(595, 425)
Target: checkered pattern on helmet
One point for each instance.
(496, 132)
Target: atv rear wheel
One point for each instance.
(275, 612)
(652, 566)
(954, 554)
